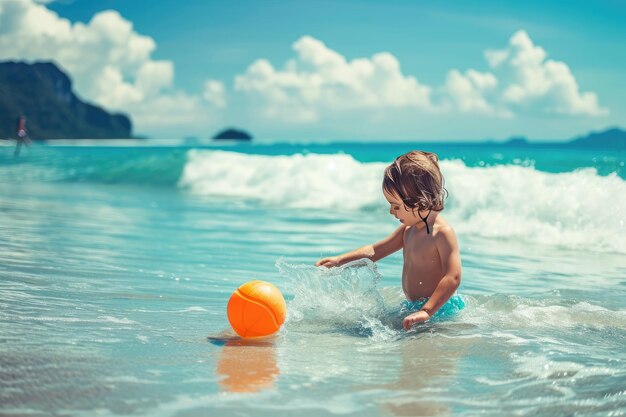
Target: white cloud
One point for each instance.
(321, 80)
(214, 93)
(538, 83)
(474, 92)
(495, 58)
(109, 62)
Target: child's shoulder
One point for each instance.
(444, 236)
(442, 227)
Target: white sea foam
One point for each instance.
(299, 181)
(544, 368)
(192, 309)
(115, 320)
(511, 312)
(578, 210)
(99, 319)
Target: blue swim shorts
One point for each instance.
(453, 306)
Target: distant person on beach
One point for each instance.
(413, 187)
(22, 136)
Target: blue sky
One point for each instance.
(434, 82)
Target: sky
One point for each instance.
(336, 70)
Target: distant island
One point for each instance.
(517, 141)
(233, 134)
(43, 94)
(610, 138)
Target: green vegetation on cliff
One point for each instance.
(43, 93)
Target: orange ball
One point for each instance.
(255, 309)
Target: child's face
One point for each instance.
(397, 209)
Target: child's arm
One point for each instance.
(450, 256)
(375, 252)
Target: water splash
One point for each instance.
(341, 299)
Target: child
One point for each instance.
(413, 186)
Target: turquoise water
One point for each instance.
(117, 261)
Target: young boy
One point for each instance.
(413, 186)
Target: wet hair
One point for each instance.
(415, 178)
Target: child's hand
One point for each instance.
(328, 262)
(417, 317)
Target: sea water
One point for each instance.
(117, 260)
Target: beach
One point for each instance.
(117, 260)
